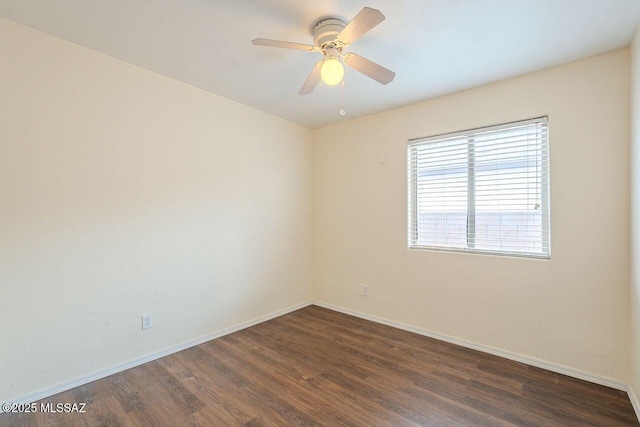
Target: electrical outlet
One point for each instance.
(146, 321)
(365, 290)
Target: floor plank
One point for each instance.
(317, 367)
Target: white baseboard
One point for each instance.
(561, 369)
(634, 401)
(85, 379)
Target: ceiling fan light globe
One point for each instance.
(332, 71)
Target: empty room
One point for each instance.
(296, 212)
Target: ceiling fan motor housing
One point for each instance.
(326, 31)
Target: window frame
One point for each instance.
(412, 199)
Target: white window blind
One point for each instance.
(483, 190)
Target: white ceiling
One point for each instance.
(434, 46)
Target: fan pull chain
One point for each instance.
(342, 110)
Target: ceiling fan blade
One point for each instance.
(312, 81)
(361, 24)
(369, 68)
(286, 45)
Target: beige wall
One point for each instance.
(635, 218)
(571, 310)
(123, 192)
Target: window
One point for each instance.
(484, 190)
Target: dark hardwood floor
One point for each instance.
(318, 367)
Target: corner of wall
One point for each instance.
(634, 291)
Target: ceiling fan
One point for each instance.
(330, 36)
